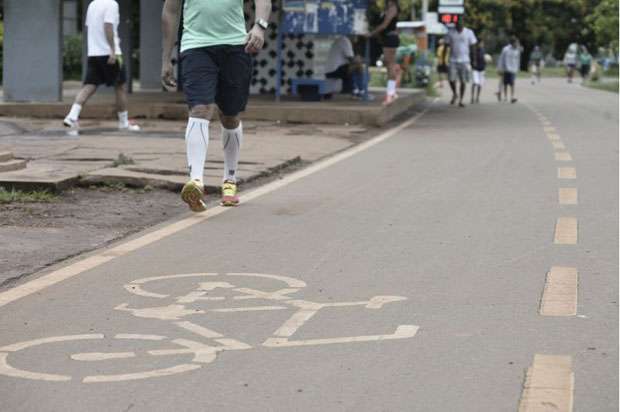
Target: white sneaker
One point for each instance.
(131, 127)
(73, 125)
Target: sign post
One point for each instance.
(451, 11)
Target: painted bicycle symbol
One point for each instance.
(213, 293)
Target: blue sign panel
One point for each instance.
(325, 16)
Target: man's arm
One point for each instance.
(169, 27)
(109, 36)
(256, 36)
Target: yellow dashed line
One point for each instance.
(563, 157)
(566, 231)
(567, 195)
(553, 137)
(567, 173)
(549, 129)
(549, 385)
(560, 294)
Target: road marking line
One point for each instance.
(563, 157)
(549, 129)
(8, 370)
(566, 231)
(567, 195)
(560, 293)
(549, 385)
(141, 375)
(67, 272)
(100, 356)
(558, 145)
(553, 136)
(199, 330)
(567, 173)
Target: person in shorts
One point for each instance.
(536, 63)
(443, 59)
(216, 71)
(508, 63)
(478, 64)
(105, 63)
(461, 41)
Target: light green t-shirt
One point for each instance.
(212, 23)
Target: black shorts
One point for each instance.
(391, 41)
(217, 74)
(442, 68)
(509, 79)
(100, 72)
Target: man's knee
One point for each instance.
(230, 122)
(202, 111)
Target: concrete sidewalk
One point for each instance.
(156, 155)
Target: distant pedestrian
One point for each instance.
(536, 64)
(585, 63)
(105, 63)
(443, 60)
(509, 63)
(570, 61)
(390, 38)
(461, 41)
(338, 65)
(478, 64)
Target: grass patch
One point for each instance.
(609, 86)
(17, 196)
(122, 159)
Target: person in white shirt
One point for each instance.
(461, 41)
(105, 63)
(339, 61)
(508, 63)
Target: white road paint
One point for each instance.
(199, 330)
(174, 370)
(560, 294)
(549, 385)
(106, 255)
(100, 356)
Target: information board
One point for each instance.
(325, 16)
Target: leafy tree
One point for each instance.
(604, 23)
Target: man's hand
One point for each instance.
(167, 77)
(112, 59)
(255, 40)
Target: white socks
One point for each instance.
(231, 142)
(74, 114)
(123, 120)
(197, 143)
(391, 87)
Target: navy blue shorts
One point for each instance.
(217, 74)
(509, 78)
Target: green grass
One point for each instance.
(122, 159)
(17, 196)
(609, 86)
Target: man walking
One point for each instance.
(105, 63)
(509, 63)
(217, 67)
(478, 64)
(461, 41)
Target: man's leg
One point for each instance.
(232, 138)
(197, 143)
(473, 92)
(121, 109)
(82, 97)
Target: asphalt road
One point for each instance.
(410, 276)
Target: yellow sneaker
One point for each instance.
(229, 194)
(193, 194)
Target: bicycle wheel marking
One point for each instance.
(209, 342)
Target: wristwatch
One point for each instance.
(262, 23)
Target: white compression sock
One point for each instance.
(391, 87)
(197, 143)
(74, 114)
(231, 142)
(123, 119)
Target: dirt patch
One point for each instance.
(36, 235)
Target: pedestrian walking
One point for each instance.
(536, 64)
(509, 63)
(443, 60)
(461, 41)
(585, 63)
(570, 61)
(104, 64)
(217, 67)
(389, 36)
(478, 64)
